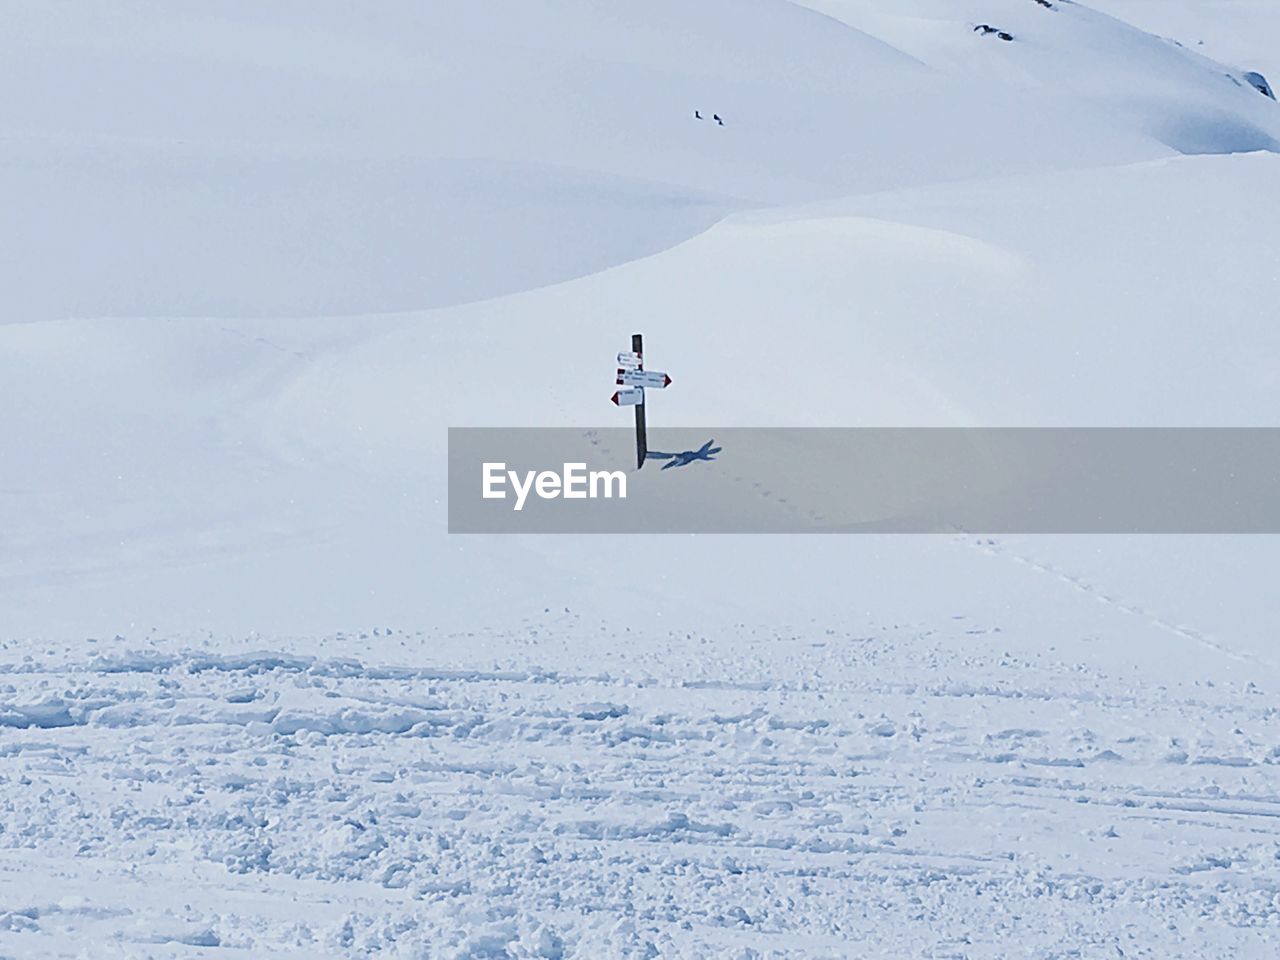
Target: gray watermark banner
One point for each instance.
(866, 480)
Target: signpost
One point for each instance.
(642, 433)
(643, 378)
(633, 377)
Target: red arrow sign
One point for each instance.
(629, 397)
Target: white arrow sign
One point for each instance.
(643, 378)
(630, 360)
(629, 397)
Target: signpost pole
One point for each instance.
(642, 438)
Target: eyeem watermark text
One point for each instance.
(987, 480)
(574, 483)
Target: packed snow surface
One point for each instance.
(580, 788)
(255, 701)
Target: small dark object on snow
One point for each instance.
(716, 118)
(1045, 3)
(987, 29)
(1259, 83)
(698, 114)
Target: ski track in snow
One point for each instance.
(996, 548)
(907, 792)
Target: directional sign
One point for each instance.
(629, 397)
(631, 361)
(642, 378)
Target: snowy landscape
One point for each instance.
(257, 701)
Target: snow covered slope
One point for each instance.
(267, 254)
(1160, 87)
(1242, 33)
(304, 158)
